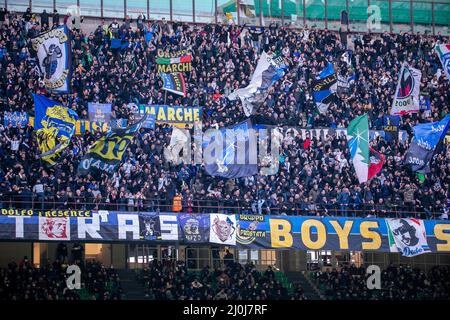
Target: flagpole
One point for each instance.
(165, 97)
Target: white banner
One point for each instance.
(53, 52)
(54, 228)
(443, 51)
(222, 229)
(407, 236)
(263, 77)
(406, 99)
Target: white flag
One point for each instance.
(443, 51)
(407, 236)
(180, 140)
(53, 53)
(54, 228)
(406, 99)
(268, 70)
(222, 229)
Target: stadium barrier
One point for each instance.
(234, 206)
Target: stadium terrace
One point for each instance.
(320, 170)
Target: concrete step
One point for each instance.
(131, 287)
(299, 278)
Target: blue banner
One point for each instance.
(53, 116)
(174, 115)
(252, 231)
(390, 127)
(99, 112)
(422, 148)
(194, 228)
(324, 88)
(15, 119)
(239, 155)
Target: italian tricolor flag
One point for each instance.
(367, 161)
(182, 59)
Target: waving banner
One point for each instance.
(324, 88)
(53, 52)
(406, 98)
(408, 236)
(358, 143)
(107, 152)
(54, 125)
(175, 62)
(99, 112)
(268, 70)
(422, 148)
(231, 152)
(443, 51)
(174, 82)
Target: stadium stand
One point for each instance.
(115, 63)
(23, 281)
(223, 60)
(398, 282)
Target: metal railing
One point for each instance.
(325, 14)
(235, 206)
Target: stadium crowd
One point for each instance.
(315, 175)
(397, 283)
(171, 281)
(24, 281)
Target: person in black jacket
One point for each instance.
(27, 15)
(3, 14)
(55, 18)
(44, 19)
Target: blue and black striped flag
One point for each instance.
(174, 82)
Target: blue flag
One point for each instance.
(426, 138)
(324, 88)
(52, 115)
(116, 43)
(54, 125)
(174, 82)
(390, 127)
(424, 103)
(231, 152)
(194, 228)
